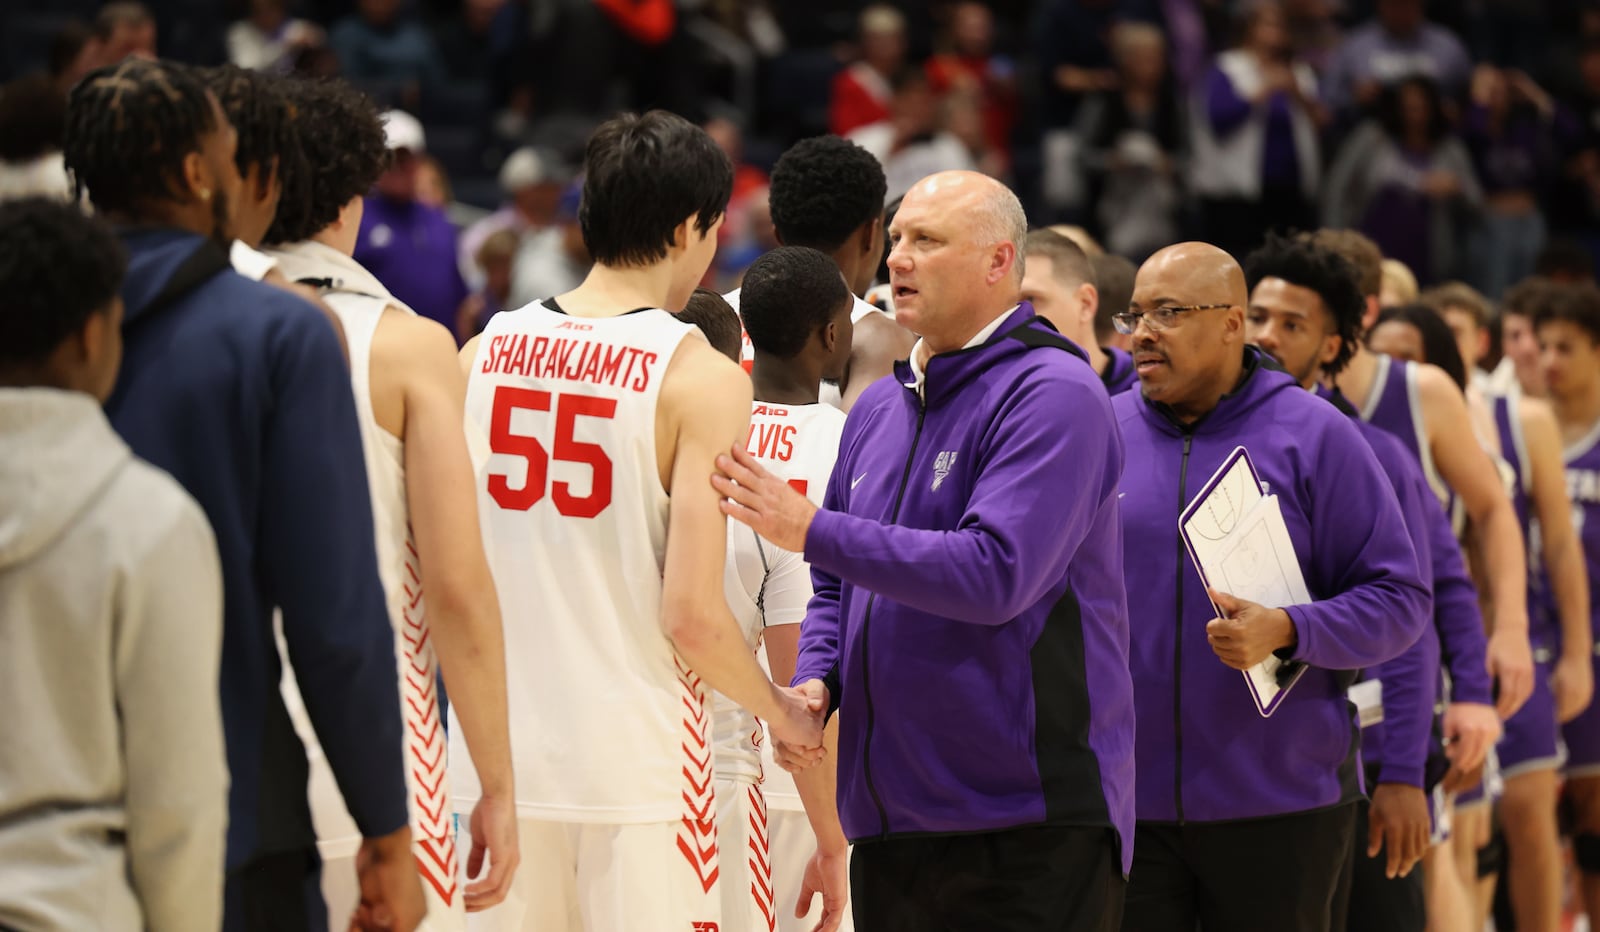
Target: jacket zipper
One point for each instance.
(1177, 656)
(866, 641)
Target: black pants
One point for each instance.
(1056, 878)
(1262, 875)
(277, 893)
(1377, 903)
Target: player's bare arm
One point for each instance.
(468, 353)
(877, 344)
(1573, 678)
(419, 393)
(705, 409)
(1471, 473)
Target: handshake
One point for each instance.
(797, 726)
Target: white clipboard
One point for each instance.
(1239, 544)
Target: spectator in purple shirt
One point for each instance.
(1256, 159)
(1406, 180)
(1510, 129)
(408, 245)
(1398, 44)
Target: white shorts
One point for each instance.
(792, 845)
(587, 877)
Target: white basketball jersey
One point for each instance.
(608, 725)
(829, 393)
(766, 585)
(359, 301)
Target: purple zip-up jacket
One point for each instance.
(1399, 745)
(1395, 406)
(1119, 375)
(1204, 752)
(969, 615)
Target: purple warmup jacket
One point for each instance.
(969, 616)
(1119, 375)
(1204, 752)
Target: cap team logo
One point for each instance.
(942, 466)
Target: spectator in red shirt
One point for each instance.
(970, 66)
(862, 92)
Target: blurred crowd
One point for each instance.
(1463, 137)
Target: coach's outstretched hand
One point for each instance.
(391, 891)
(802, 748)
(754, 497)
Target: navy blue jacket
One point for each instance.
(239, 390)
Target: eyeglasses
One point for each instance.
(1157, 318)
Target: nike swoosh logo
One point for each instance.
(857, 481)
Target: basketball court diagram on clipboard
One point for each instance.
(1239, 544)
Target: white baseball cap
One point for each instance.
(401, 130)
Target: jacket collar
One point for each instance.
(1261, 378)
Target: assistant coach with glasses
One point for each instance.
(969, 621)
(1245, 821)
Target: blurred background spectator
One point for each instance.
(1406, 180)
(406, 240)
(269, 38)
(862, 92)
(1257, 151)
(1141, 121)
(33, 115)
(1133, 139)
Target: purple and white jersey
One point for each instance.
(1583, 487)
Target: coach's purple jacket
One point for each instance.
(969, 615)
(1205, 753)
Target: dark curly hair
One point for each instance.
(1301, 261)
(343, 153)
(262, 116)
(57, 267)
(644, 175)
(33, 118)
(1439, 346)
(789, 294)
(824, 189)
(1577, 304)
(129, 128)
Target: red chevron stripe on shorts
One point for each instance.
(433, 846)
(697, 838)
(760, 859)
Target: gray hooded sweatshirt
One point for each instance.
(113, 782)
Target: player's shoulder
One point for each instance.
(1536, 413)
(1435, 386)
(700, 377)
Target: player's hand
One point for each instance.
(756, 498)
(1250, 632)
(1459, 781)
(494, 835)
(1470, 730)
(828, 874)
(1398, 819)
(797, 732)
(391, 891)
(1510, 661)
(1572, 681)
